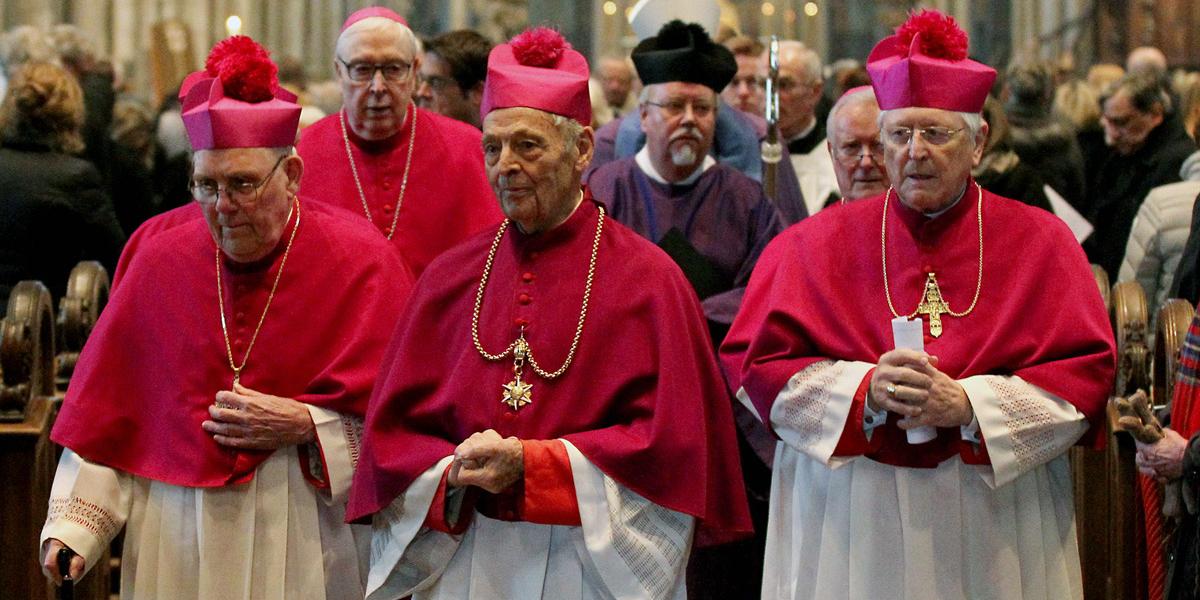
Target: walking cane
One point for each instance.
(67, 590)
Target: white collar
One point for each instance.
(642, 158)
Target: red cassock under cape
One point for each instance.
(156, 359)
(643, 399)
(448, 196)
(817, 294)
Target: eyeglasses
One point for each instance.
(362, 72)
(934, 136)
(853, 153)
(242, 192)
(436, 83)
(677, 106)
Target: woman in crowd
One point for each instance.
(53, 209)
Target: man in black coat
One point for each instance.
(1146, 146)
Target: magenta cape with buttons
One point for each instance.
(156, 359)
(448, 197)
(643, 399)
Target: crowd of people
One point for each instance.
(560, 330)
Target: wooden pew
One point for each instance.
(27, 457)
(78, 310)
(1107, 507)
(36, 357)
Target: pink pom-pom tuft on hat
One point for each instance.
(925, 65)
(244, 68)
(538, 69)
(236, 101)
(539, 47)
(939, 34)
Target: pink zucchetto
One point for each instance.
(538, 69)
(236, 101)
(372, 11)
(925, 65)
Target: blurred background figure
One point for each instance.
(1044, 141)
(452, 73)
(746, 92)
(293, 78)
(54, 211)
(1001, 171)
(617, 81)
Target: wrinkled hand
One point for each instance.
(248, 419)
(1162, 460)
(488, 461)
(50, 562)
(924, 394)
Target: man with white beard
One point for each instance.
(714, 222)
(709, 217)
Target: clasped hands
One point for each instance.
(488, 461)
(251, 420)
(908, 383)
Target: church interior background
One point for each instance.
(153, 43)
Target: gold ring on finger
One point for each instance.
(891, 390)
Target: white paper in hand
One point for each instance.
(910, 336)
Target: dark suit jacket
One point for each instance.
(54, 212)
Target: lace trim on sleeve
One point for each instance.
(352, 427)
(1030, 425)
(102, 523)
(653, 541)
(805, 400)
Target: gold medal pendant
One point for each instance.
(933, 305)
(517, 393)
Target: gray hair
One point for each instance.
(569, 128)
(973, 121)
(644, 95)
(862, 96)
(25, 44)
(405, 39)
(72, 45)
(797, 52)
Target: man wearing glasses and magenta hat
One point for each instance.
(414, 174)
(216, 408)
(910, 352)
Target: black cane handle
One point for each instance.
(67, 590)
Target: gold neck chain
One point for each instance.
(978, 283)
(237, 370)
(518, 393)
(412, 138)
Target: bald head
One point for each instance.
(1147, 60)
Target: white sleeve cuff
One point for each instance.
(810, 412)
(872, 418)
(1024, 426)
(336, 449)
(970, 431)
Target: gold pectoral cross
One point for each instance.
(933, 305)
(517, 393)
